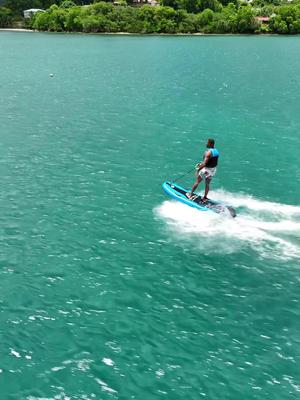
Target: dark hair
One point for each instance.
(211, 141)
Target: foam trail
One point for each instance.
(271, 229)
(243, 200)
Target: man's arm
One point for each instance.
(205, 161)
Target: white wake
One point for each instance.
(270, 229)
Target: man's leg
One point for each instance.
(198, 180)
(207, 183)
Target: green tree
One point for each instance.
(5, 17)
(213, 5)
(263, 3)
(67, 4)
(205, 18)
(265, 11)
(93, 23)
(281, 27)
(193, 6)
(286, 20)
(73, 19)
(226, 20)
(147, 16)
(18, 6)
(41, 21)
(53, 19)
(101, 8)
(165, 20)
(245, 20)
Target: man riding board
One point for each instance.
(206, 169)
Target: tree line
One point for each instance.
(171, 17)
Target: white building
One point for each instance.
(29, 13)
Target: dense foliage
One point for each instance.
(5, 17)
(172, 16)
(17, 6)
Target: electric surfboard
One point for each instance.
(179, 193)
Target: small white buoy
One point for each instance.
(51, 75)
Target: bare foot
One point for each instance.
(188, 195)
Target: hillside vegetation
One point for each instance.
(169, 16)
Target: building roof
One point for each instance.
(263, 19)
(33, 10)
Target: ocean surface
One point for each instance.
(111, 290)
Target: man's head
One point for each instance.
(210, 143)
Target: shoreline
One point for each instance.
(142, 34)
(16, 30)
(147, 34)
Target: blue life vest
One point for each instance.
(213, 161)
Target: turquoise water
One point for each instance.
(109, 290)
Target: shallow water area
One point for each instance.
(109, 290)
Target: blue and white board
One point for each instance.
(179, 193)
